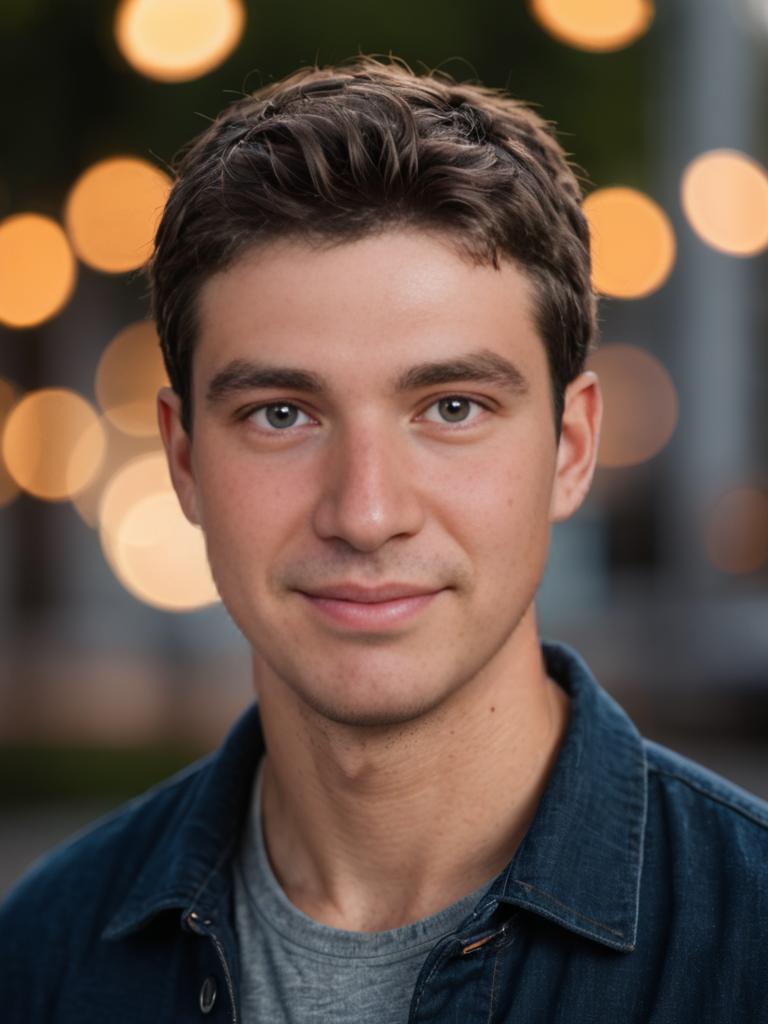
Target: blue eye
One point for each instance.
(278, 415)
(454, 408)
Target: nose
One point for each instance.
(368, 494)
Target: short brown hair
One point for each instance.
(337, 153)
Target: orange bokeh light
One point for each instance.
(8, 486)
(640, 405)
(160, 557)
(724, 195)
(596, 25)
(141, 476)
(128, 376)
(112, 212)
(52, 444)
(121, 449)
(178, 40)
(37, 269)
(736, 532)
(157, 555)
(633, 243)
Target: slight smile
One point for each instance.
(367, 609)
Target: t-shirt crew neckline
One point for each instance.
(257, 882)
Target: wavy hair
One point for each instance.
(336, 153)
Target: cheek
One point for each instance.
(232, 481)
(244, 513)
(509, 491)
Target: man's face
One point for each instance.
(415, 449)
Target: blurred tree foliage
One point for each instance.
(32, 774)
(69, 97)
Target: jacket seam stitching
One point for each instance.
(494, 988)
(699, 788)
(565, 906)
(435, 967)
(215, 869)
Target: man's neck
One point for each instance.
(368, 830)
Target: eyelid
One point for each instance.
(251, 410)
(434, 400)
(482, 403)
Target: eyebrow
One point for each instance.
(484, 367)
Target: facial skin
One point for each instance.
(372, 485)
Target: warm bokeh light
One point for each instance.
(153, 550)
(736, 533)
(37, 269)
(596, 25)
(161, 558)
(178, 40)
(52, 443)
(724, 194)
(121, 449)
(8, 487)
(128, 376)
(640, 405)
(633, 244)
(112, 212)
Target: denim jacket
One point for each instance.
(639, 895)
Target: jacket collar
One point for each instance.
(188, 866)
(578, 865)
(580, 862)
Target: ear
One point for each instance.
(178, 452)
(577, 449)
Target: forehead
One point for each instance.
(360, 310)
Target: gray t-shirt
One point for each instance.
(295, 970)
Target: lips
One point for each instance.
(370, 595)
(384, 608)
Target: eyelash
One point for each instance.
(248, 413)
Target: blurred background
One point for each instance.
(118, 664)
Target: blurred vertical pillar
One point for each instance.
(26, 548)
(707, 90)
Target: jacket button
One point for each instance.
(208, 995)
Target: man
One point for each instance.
(373, 294)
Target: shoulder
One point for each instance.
(692, 786)
(100, 848)
(68, 895)
(704, 886)
(139, 820)
(99, 918)
(713, 827)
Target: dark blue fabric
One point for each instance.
(639, 895)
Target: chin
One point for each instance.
(373, 714)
